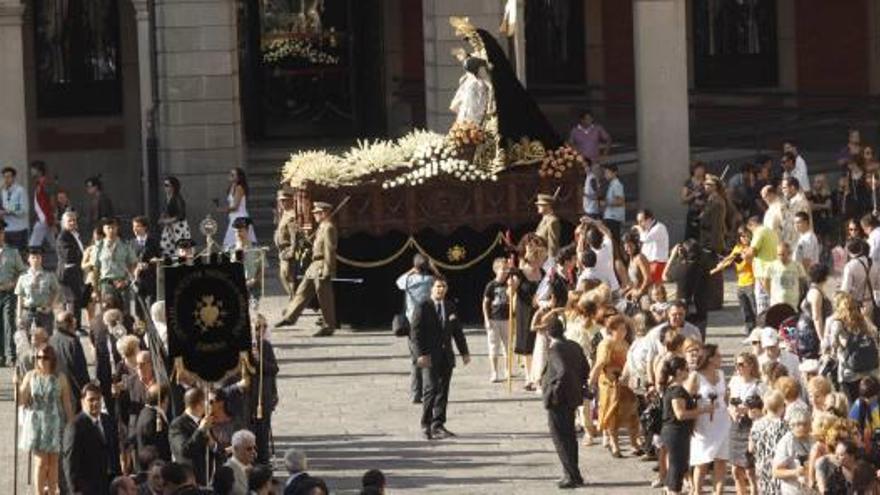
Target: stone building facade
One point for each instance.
(194, 69)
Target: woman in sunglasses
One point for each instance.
(45, 395)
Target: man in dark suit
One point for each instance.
(91, 456)
(435, 324)
(69, 249)
(563, 383)
(151, 427)
(188, 434)
(146, 248)
(71, 357)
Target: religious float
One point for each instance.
(454, 198)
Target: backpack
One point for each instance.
(860, 353)
(800, 334)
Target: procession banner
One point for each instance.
(208, 318)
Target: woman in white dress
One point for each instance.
(236, 201)
(710, 443)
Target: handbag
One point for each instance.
(400, 325)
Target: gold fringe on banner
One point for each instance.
(411, 242)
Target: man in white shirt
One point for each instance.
(592, 190)
(599, 240)
(807, 250)
(856, 272)
(14, 202)
(871, 226)
(773, 353)
(655, 243)
(798, 166)
(774, 217)
(675, 324)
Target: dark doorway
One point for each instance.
(555, 43)
(311, 69)
(735, 43)
(77, 55)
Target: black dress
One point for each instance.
(525, 337)
(676, 436)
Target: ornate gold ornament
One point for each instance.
(209, 313)
(456, 253)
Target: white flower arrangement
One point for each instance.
(410, 160)
(278, 50)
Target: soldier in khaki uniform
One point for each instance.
(318, 276)
(285, 237)
(550, 228)
(37, 290)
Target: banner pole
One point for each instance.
(208, 444)
(260, 381)
(15, 435)
(511, 336)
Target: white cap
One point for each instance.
(769, 337)
(754, 336)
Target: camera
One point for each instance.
(738, 258)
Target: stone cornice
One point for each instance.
(11, 13)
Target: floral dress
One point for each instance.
(42, 421)
(765, 434)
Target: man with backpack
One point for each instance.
(861, 276)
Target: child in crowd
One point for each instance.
(496, 315)
(659, 303)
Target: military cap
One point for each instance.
(242, 223)
(321, 206)
(545, 199)
(285, 193)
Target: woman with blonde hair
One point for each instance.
(617, 402)
(580, 327)
(791, 392)
(853, 340)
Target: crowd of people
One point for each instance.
(799, 413)
(134, 422)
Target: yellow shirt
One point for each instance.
(744, 274)
(764, 243)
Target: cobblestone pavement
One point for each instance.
(344, 401)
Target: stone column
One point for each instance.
(199, 121)
(13, 119)
(442, 70)
(661, 107)
(145, 85)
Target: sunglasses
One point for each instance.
(740, 364)
(42, 357)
